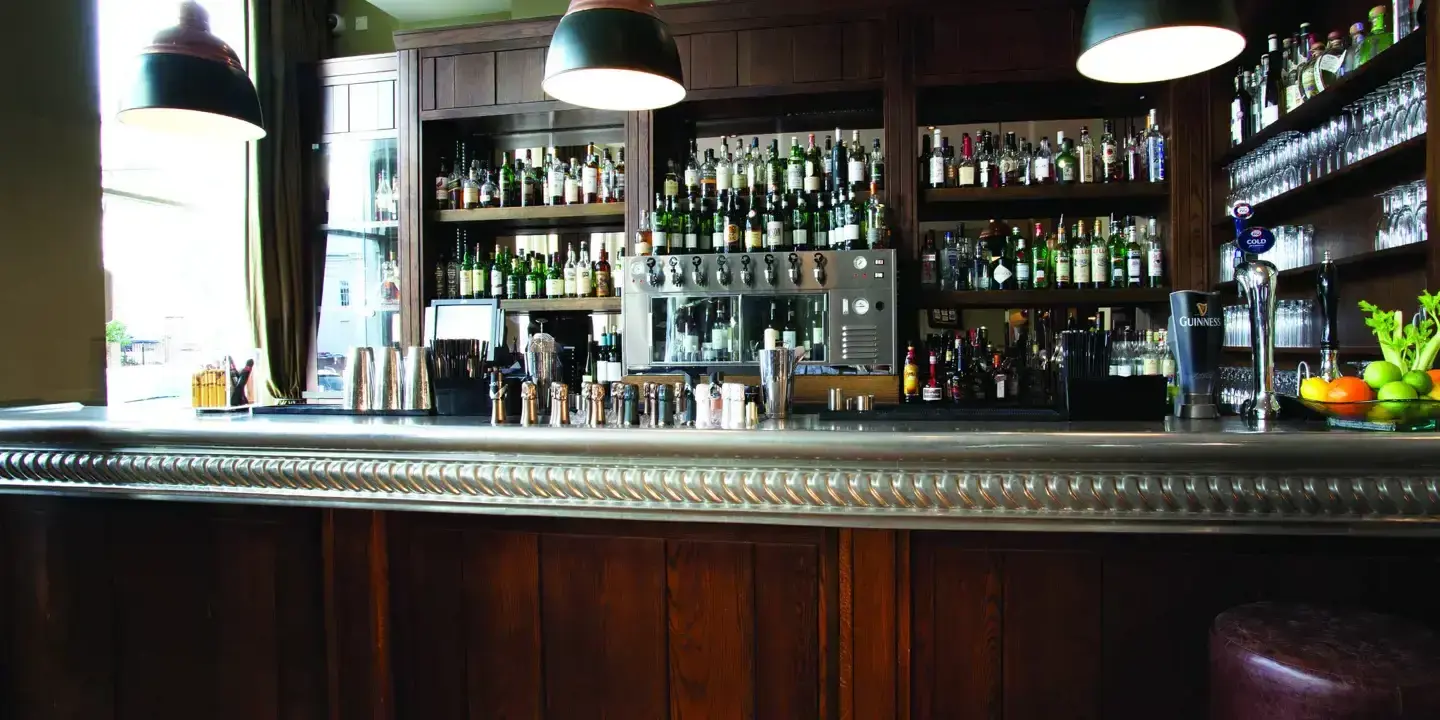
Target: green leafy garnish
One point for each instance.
(1411, 346)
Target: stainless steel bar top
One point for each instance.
(1175, 476)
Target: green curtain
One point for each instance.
(285, 253)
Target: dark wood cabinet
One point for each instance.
(358, 95)
(997, 44)
(457, 81)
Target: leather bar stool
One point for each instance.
(1271, 661)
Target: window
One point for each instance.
(174, 224)
(344, 293)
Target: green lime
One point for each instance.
(1396, 391)
(1418, 380)
(1381, 373)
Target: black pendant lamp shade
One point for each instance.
(1140, 41)
(614, 55)
(190, 82)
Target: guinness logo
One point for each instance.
(1201, 307)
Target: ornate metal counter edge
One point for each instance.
(915, 496)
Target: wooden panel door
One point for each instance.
(461, 81)
(518, 76)
(949, 48)
(573, 620)
(765, 56)
(711, 61)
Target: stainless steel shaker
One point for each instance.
(418, 393)
(387, 379)
(777, 378)
(359, 379)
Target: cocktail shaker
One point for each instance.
(777, 378)
(387, 379)
(359, 379)
(418, 393)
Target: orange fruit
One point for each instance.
(1349, 389)
(1435, 383)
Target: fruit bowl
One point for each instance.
(1417, 414)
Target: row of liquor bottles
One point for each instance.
(1126, 254)
(598, 178)
(1136, 157)
(1300, 67)
(504, 275)
(708, 330)
(779, 221)
(751, 172)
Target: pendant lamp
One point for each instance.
(614, 55)
(1141, 41)
(190, 82)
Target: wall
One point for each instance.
(51, 281)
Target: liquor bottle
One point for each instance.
(442, 187)
(1099, 256)
(1271, 96)
(838, 165)
(1027, 159)
(755, 225)
(1024, 278)
(820, 223)
(877, 166)
(1060, 257)
(467, 264)
(1118, 254)
(708, 171)
(1112, 170)
(584, 274)
(946, 149)
(554, 278)
(1155, 150)
(965, 171)
(1331, 65)
(1089, 164)
(571, 175)
(1066, 170)
(1040, 259)
(923, 159)
(937, 163)
(1238, 115)
(671, 186)
(479, 276)
(526, 178)
(774, 169)
(929, 262)
(1010, 162)
(955, 370)
(389, 281)
(570, 289)
(932, 392)
(854, 222)
(733, 227)
(1001, 254)
(979, 272)
(1041, 166)
(985, 160)
(795, 168)
(911, 375)
(857, 161)
(817, 329)
(800, 223)
(1357, 44)
(508, 188)
(643, 236)
(716, 223)
(608, 181)
(774, 223)
(1155, 257)
(790, 331)
(590, 176)
(982, 371)
(1134, 158)
(1080, 256)
(529, 288)
(692, 168)
(603, 285)
(515, 277)
(755, 170)
(722, 168)
(498, 280)
(694, 224)
(875, 227)
(1308, 85)
(442, 290)
(470, 187)
(619, 194)
(1134, 259)
(660, 228)
(381, 201)
(452, 270)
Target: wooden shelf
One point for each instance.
(940, 204)
(1367, 350)
(1044, 298)
(1372, 259)
(540, 216)
(608, 304)
(1383, 170)
(1386, 66)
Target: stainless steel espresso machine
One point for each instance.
(718, 310)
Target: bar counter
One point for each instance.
(1146, 477)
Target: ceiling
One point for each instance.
(423, 10)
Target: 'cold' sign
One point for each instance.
(1257, 240)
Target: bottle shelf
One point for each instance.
(1414, 252)
(1297, 352)
(593, 304)
(1044, 298)
(940, 204)
(1383, 68)
(1383, 170)
(540, 216)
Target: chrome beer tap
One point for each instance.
(1256, 279)
(794, 271)
(819, 270)
(722, 271)
(697, 274)
(770, 269)
(653, 274)
(677, 276)
(747, 274)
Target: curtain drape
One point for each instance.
(285, 253)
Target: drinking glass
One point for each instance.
(1422, 212)
(1354, 132)
(1405, 230)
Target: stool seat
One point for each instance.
(1272, 661)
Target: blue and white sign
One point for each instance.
(1257, 240)
(1243, 211)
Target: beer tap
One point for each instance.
(697, 275)
(559, 405)
(722, 271)
(747, 275)
(677, 276)
(653, 274)
(1329, 296)
(770, 269)
(529, 403)
(1256, 279)
(819, 270)
(498, 392)
(794, 271)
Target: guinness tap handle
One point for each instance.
(1327, 292)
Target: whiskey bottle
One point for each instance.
(1041, 164)
(590, 176)
(442, 188)
(937, 163)
(1088, 164)
(965, 175)
(1010, 162)
(1001, 253)
(774, 169)
(572, 182)
(1118, 255)
(554, 278)
(708, 173)
(722, 168)
(692, 168)
(584, 274)
(452, 270)
(619, 194)
(643, 238)
(603, 286)
(877, 166)
(470, 187)
(929, 262)
(795, 168)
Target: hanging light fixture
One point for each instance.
(614, 55)
(190, 82)
(1140, 41)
